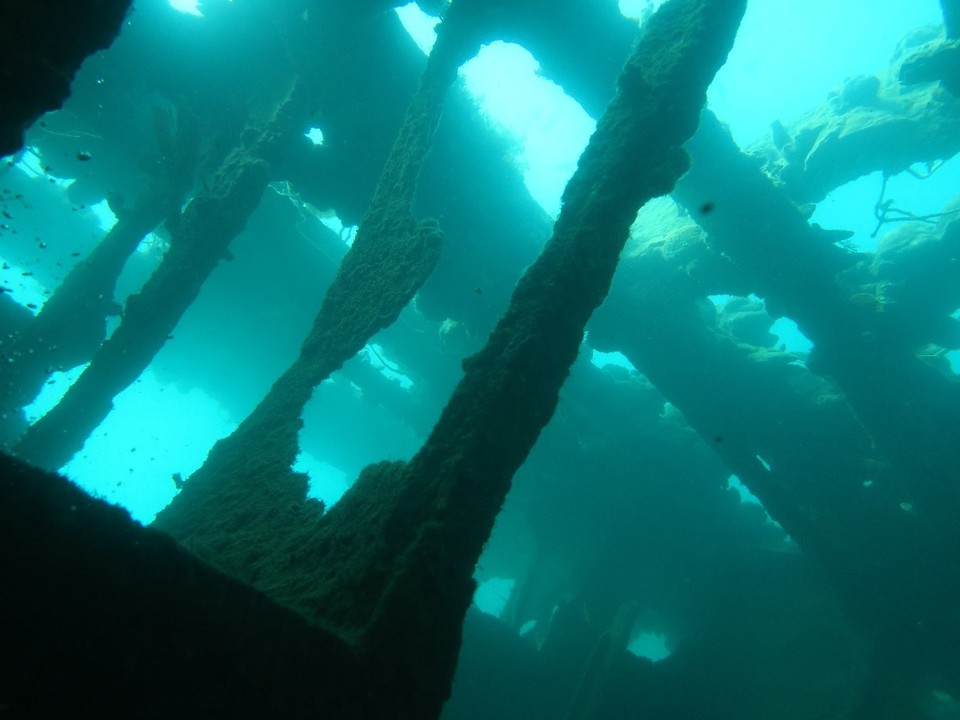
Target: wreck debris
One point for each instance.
(736, 338)
(202, 236)
(37, 79)
(403, 596)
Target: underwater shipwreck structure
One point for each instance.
(608, 489)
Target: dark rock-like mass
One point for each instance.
(42, 43)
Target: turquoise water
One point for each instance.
(636, 503)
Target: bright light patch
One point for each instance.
(602, 359)
(376, 357)
(31, 163)
(777, 37)
(152, 244)
(953, 357)
(789, 337)
(187, 7)
(851, 207)
(552, 128)
(345, 232)
(491, 595)
(650, 645)
(636, 8)
(327, 483)
(721, 300)
(25, 289)
(422, 27)
(104, 215)
(746, 496)
(315, 135)
(55, 388)
(133, 455)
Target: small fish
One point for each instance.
(84, 156)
